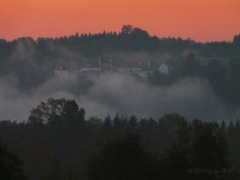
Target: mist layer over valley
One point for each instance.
(114, 93)
(205, 84)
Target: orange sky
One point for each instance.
(201, 20)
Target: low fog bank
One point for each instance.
(191, 98)
(114, 93)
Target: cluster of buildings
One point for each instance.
(95, 66)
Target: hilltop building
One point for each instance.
(146, 71)
(106, 65)
(89, 67)
(67, 69)
(165, 68)
(95, 66)
(91, 64)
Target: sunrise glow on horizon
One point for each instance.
(201, 20)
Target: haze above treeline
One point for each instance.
(203, 85)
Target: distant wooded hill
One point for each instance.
(31, 62)
(134, 39)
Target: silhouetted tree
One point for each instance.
(198, 145)
(126, 29)
(132, 123)
(71, 112)
(56, 173)
(189, 66)
(107, 127)
(10, 165)
(123, 157)
(57, 110)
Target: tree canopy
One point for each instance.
(10, 165)
(122, 157)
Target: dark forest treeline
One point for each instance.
(131, 38)
(57, 142)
